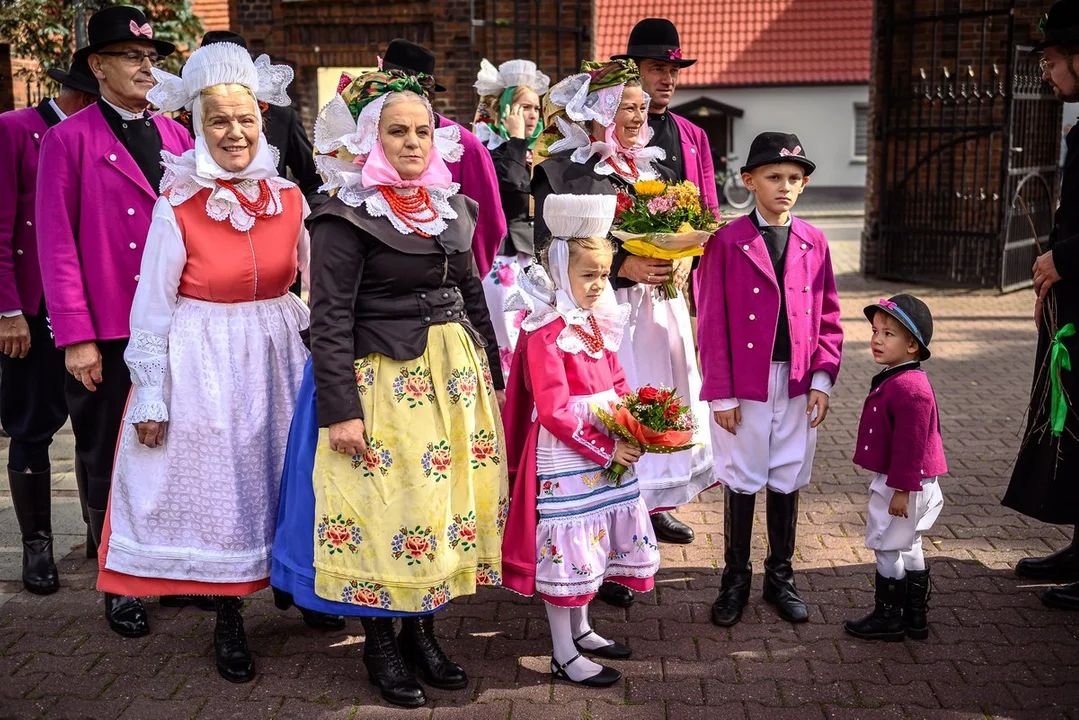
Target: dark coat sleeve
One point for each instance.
(511, 165)
(541, 188)
(337, 260)
(300, 160)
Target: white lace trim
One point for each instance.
(575, 138)
(535, 295)
(487, 135)
(584, 587)
(372, 201)
(182, 183)
(156, 411)
(512, 73)
(148, 342)
(272, 81)
(578, 436)
(336, 129)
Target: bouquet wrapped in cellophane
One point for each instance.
(663, 221)
(653, 419)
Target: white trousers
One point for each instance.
(774, 446)
(897, 541)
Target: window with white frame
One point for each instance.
(861, 130)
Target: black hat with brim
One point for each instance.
(118, 24)
(1060, 25)
(77, 77)
(654, 39)
(410, 58)
(770, 148)
(911, 313)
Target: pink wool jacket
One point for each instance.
(738, 311)
(697, 159)
(21, 133)
(93, 212)
(899, 433)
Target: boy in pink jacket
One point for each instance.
(770, 344)
(899, 442)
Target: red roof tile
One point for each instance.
(753, 42)
(214, 14)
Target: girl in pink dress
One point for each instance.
(570, 528)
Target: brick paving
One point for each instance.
(994, 650)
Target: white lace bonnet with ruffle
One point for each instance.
(512, 73)
(218, 64)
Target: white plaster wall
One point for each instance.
(821, 116)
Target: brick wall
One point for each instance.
(350, 33)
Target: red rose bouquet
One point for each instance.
(653, 419)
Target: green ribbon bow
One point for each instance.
(373, 85)
(1059, 360)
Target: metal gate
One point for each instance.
(554, 35)
(964, 128)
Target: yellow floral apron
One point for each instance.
(416, 520)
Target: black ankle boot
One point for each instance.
(616, 594)
(311, 618)
(917, 605)
(886, 620)
(420, 648)
(779, 590)
(31, 494)
(1059, 567)
(230, 641)
(385, 666)
(738, 572)
(125, 615)
(80, 483)
(670, 529)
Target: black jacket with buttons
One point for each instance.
(375, 290)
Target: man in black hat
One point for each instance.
(98, 182)
(1045, 481)
(475, 172)
(32, 405)
(654, 45)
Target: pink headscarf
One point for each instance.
(377, 170)
(610, 136)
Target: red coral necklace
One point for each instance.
(593, 342)
(260, 206)
(412, 209)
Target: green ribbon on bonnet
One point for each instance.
(1059, 360)
(373, 85)
(504, 102)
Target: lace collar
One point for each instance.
(584, 147)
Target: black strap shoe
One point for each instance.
(779, 588)
(670, 529)
(311, 618)
(1062, 598)
(738, 571)
(607, 676)
(1059, 567)
(612, 651)
(886, 621)
(31, 495)
(234, 661)
(615, 594)
(202, 602)
(420, 648)
(386, 668)
(916, 608)
(126, 615)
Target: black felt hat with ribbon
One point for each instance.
(912, 313)
(769, 148)
(654, 39)
(117, 24)
(411, 58)
(1060, 26)
(78, 77)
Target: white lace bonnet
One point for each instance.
(596, 92)
(512, 73)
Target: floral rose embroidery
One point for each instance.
(437, 460)
(484, 449)
(487, 575)
(462, 531)
(547, 487)
(504, 274)
(462, 386)
(415, 544)
(550, 552)
(503, 513)
(414, 385)
(376, 458)
(436, 597)
(365, 375)
(338, 533)
(368, 594)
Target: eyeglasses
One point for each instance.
(135, 57)
(1048, 65)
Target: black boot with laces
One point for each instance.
(420, 649)
(385, 666)
(230, 642)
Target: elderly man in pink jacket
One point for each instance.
(32, 405)
(97, 185)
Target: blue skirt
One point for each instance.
(293, 569)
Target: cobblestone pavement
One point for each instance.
(994, 650)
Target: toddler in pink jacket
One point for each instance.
(899, 442)
(770, 345)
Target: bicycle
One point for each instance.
(735, 192)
